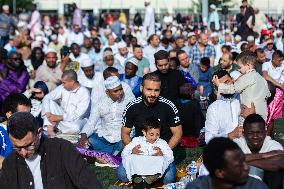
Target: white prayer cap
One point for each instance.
(184, 33)
(158, 32)
(86, 62)
(39, 38)
(227, 31)
(133, 60)
(21, 24)
(5, 7)
(250, 38)
(279, 31)
(121, 44)
(212, 6)
(53, 37)
(107, 53)
(214, 34)
(112, 82)
(190, 34)
(147, 1)
(238, 38)
(235, 75)
(49, 50)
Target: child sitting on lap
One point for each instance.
(147, 157)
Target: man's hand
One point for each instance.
(245, 111)
(215, 80)
(83, 140)
(158, 151)
(1, 161)
(136, 150)
(273, 154)
(282, 87)
(54, 118)
(236, 133)
(50, 131)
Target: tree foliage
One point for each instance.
(20, 4)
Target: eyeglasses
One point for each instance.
(30, 147)
(269, 44)
(16, 59)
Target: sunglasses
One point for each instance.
(16, 59)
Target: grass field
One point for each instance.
(107, 176)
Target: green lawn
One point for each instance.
(107, 176)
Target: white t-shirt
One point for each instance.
(276, 73)
(34, 166)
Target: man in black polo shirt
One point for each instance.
(151, 104)
(171, 80)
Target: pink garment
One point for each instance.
(35, 24)
(77, 18)
(274, 110)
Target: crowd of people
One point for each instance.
(142, 93)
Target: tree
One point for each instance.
(20, 4)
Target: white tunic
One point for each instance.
(276, 73)
(149, 21)
(158, 164)
(98, 79)
(122, 59)
(222, 117)
(110, 114)
(75, 38)
(149, 52)
(72, 105)
(268, 146)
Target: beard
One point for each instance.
(150, 100)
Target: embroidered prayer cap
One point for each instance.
(86, 62)
(133, 60)
(107, 53)
(49, 50)
(112, 82)
(121, 44)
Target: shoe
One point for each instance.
(137, 179)
(151, 178)
(104, 165)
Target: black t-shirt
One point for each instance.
(170, 84)
(164, 110)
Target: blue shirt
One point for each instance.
(189, 79)
(195, 54)
(205, 81)
(5, 144)
(134, 83)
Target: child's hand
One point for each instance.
(136, 150)
(158, 151)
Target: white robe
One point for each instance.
(72, 105)
(222, 117)
(146, 163)
(149, 21)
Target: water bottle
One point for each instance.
(192, 171)
(171, 186)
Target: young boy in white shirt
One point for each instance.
(147, 157)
